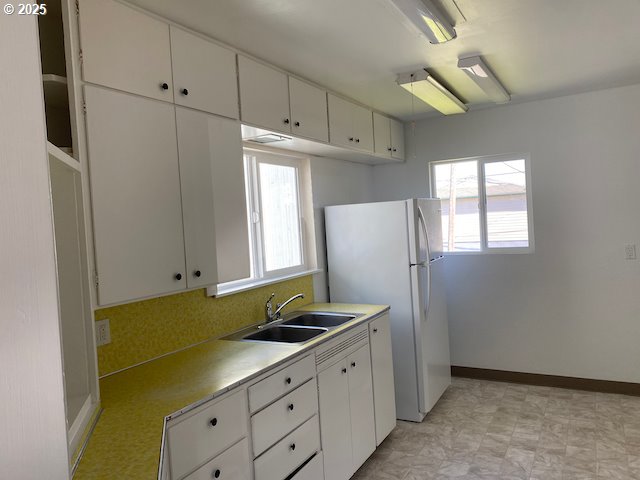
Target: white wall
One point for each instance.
(33, 440)
(571, 308)
(335, 182)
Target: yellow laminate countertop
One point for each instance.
(127, 439)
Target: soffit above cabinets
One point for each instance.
(537, 49)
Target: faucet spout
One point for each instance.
(276, 314)
(270, 315)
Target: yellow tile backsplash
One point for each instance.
(145, 330)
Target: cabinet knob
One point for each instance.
(287, 380)
(164, 86)
(357, 140)
(297, 124)
(290, 407)
(197, 273)
(213, 422)
(292, 447)
(375, 330)
(353, 364)
(178, 276)
(344, 370)
(395, 149)
(351, 139)
(184, 91)
(286, 121)
(389, 149)
(217, 474)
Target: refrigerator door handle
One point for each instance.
(423, 225)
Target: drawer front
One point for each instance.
(205, 433)
(289, 453)
(285, 415)
(313, 470)
(266, 391)
(233, 464)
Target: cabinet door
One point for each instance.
(308, 110)
(340, 121)
(363, 128)
(125, 49)
(384, 398)
(397, 139)
(135, 193)
(264, 96)
(213, 198)
(363, 432)
(381, 135)
(204, 74)
(335, 418)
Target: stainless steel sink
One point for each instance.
(282, 334)
(319, 319)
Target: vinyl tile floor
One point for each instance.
(491, 430)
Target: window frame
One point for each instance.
(481, 161)
(252, 159)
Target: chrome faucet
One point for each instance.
(270, 315)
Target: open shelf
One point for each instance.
(55, 90)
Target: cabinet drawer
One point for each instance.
(289, 453)
(233, 464)
(313, 470)
(281, 382)
(280, 418)
(203, 434)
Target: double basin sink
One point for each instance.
(298, 327)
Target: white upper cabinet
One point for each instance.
(389, 137)
(363, 128)
(213, 198)
(264, 96)
(125, 49)
(382, 134)
(204, 74)
(308, 110)
(397, 139)
(135, 192)
(350, 125)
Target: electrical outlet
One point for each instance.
(630, 251)
(103, 332)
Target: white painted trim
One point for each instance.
(65, 158)
(81, 423)
(223, 291)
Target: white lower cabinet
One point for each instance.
(312, 470)
(384, 399)
(288, 454)
(197, 436)
(232, 464)
(346, 414)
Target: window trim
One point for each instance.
(482, 203)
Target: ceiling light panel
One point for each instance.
(430, 91)
(478, 71)
(428, 18)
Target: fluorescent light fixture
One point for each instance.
(425, 15)
(481, 74)
(427, 89)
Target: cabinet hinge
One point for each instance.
(96, 278)
(77, 7)
(80, 57)
(84, 109)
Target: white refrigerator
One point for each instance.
(391, 253)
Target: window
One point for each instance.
(278, 204)
(486, 204)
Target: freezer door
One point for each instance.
(430, 210)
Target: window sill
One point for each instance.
(221, 291)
